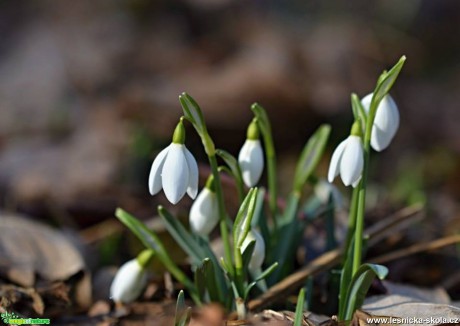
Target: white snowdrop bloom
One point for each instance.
(258, 255)
(386, 121)
(204, 213)
(175, 170)
(251, 157)
(324, 189)
(348, 161)
(129, 282)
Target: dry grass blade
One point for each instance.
(419, 247)
(331, 258)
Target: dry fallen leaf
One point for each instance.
(31, 251)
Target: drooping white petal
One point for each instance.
(386, 121)
(258, 255)
(251, 161)
(334, 167)
(192, 187)
(175, 174)
(204, 213)
(386, 124)
(352, 161)
(129, 282)
(155, 183)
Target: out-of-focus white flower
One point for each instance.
(204, 213)
(386, 121)
(347, 160)
(129, 282)
(323, 190)
(251, 157)
(131, 278)
(175, 170)
(258, 255)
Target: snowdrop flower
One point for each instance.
(131, 278)
(258, 255)
(175, 169)
(386, 121)
(204, 213)
(251, 158)
(348, 159)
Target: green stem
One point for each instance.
(351, 222)
(362, 189)
(271, 172)
(221, 204)
(239, 277)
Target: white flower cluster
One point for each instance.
(348, 159)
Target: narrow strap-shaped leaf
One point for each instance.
(192, 112)
(206, 282)
(345, 279)
(358, 110)
(218, 271)
(265, 127)
(247, 254)
(310, 156)
(243, 219)
(232, 163)
(262, 276)
(360, 285)
(182, 314)
(185, 240)
(298, 318)
(228, 270)
(386, 81)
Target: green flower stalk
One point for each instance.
(192, 113)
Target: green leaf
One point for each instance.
(228, 270)
(192, 112)
(151, 240)
(232, 163)
(262, 118)
(243, 218)
(183, 313)
(262, 276)
(206, 282)
(386, 81)
(359, 286)
(310, 156)
(345, 279)
(247, 254)
(183, 238)
(298, 318)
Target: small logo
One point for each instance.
(13, 319)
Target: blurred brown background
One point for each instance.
(89, 93)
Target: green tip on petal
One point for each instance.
(356, 129)
(210, 183)
(145, 257)
(179, 133)
(253, 130)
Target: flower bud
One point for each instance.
(131, 279)
(251, 157)
(386, 121)
(204, 213)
